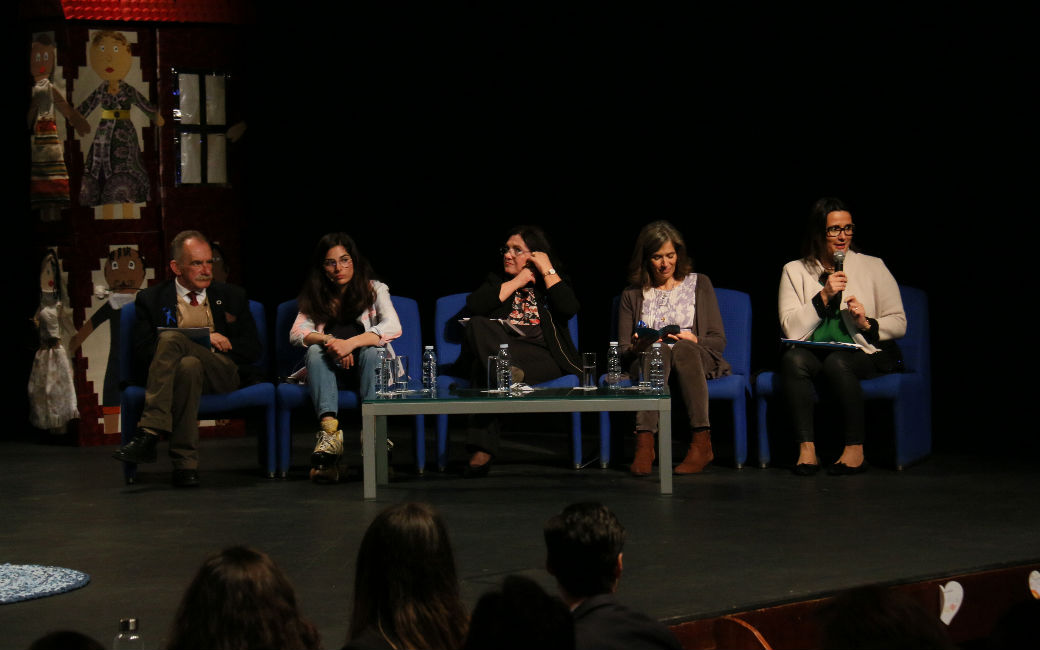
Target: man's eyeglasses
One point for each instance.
(832, 231)
(344, 261)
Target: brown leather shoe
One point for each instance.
(699, 454)
(643, 464)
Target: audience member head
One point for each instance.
(1016, 627)
(875, 617)
(240, 600)
(65, 640)
(406, 586)
(651, 239)
(583, 549)
(814, 239)
(520, 616)
(324, 297)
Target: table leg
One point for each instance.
(664, 444)
(382, 453)
(368, 454)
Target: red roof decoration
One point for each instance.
(182, 11)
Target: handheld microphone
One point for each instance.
(839, 261)
(839, 266)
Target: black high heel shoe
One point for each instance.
(806, 469)
(841, 469)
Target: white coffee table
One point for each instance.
(552, 400)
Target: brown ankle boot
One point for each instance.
(643, 463)
(699, 454)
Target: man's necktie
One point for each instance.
(194, 298)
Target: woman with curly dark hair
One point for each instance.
(241, 600)
(530, 293)
(345, 317)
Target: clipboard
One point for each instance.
(198, 335)
(826, 345)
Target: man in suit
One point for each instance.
(180, 370)
(583, 545)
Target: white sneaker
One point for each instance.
(327, 451)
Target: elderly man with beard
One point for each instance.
(180, 370)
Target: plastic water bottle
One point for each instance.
(380, 370)
(613, 365)
(505, 364)
(656, 369)
(429, 370)
(129, 637)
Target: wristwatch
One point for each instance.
(551, 272)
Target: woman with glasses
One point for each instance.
(536, 304)
(835, 295)
(345, 317)
(672, 305)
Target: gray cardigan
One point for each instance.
(707, 325)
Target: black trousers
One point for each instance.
(836, 375)
(529, 354)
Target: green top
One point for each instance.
(831, 329)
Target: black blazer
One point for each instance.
(601, 623)
(157, 307)
(556, 306)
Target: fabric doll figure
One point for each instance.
(125, 272)
(52, 397)
(49, 178)
(113, 172)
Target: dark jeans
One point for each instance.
(836, 375)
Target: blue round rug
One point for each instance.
(28, 581)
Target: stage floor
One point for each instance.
(727, 540)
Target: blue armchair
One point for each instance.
(910, 391)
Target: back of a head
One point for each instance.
(582, 547)
(66, 640)
(875, 617)
(1017, 626)
(406, 582)
(520, 616)
(240, 599)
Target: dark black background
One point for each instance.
(425, 132)
(429, 132)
